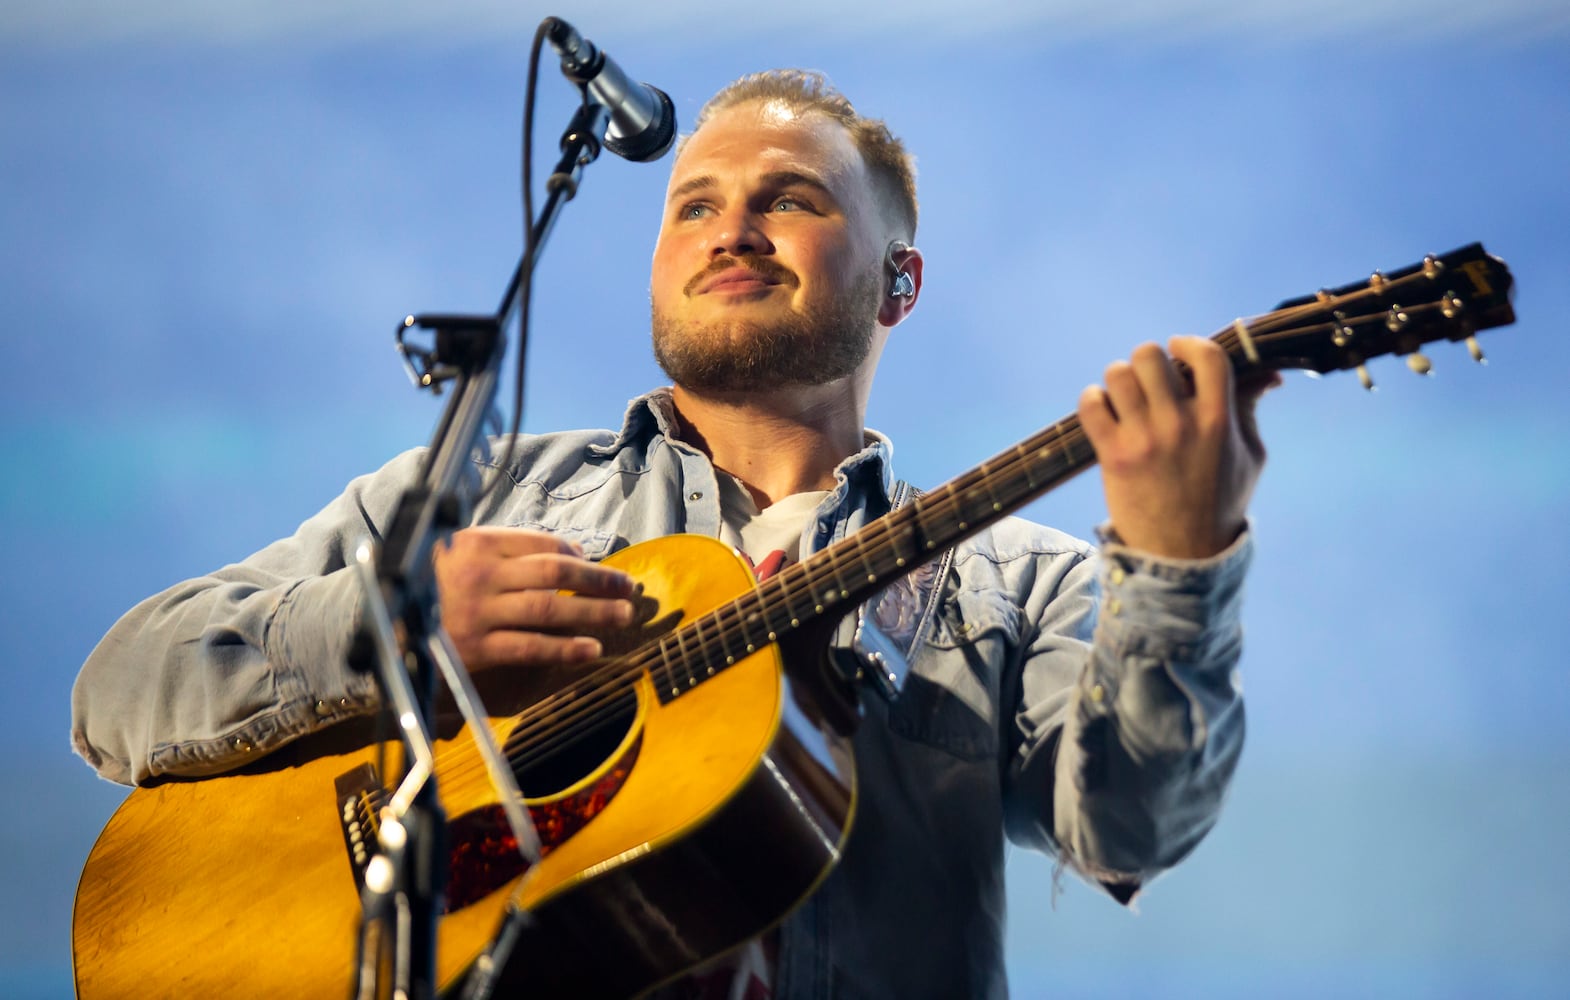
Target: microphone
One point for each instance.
(643, 120)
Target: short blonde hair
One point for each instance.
(893, 169)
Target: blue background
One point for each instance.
(213, 218)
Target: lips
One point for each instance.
(736, 279)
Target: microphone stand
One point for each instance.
(403, 883)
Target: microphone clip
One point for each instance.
(642, 119)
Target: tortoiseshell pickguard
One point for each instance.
(484, 853)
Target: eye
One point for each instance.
(788, 204)
(693, 210)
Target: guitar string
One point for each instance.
(542, 730)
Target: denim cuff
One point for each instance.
(1170, 609)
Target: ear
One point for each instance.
(893, 308)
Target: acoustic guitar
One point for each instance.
(689, 789)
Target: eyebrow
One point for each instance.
(776, 178)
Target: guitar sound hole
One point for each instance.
(484, 853)
(549, 760)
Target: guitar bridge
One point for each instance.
(360, 797)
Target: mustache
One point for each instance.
(760, 266)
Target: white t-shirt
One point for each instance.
(770, 540)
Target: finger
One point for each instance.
(1211, 371)
(1095, 416)
(1124, 395)
(562, 572)
(1158, 379)
(538, 649)
(553, 611)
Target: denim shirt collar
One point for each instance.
(654, 412)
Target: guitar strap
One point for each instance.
(919, 594)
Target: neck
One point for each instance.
(779, 443)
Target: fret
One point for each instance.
(751, 618)
(842, 589)
(902, 533)
(666, 685)
(860, 541)
(686, 661)
(974, 508)
(705, 654)
(940, 511)
(1018, 483)
(920, 531)
(731, 655)
(1058, 430)
(776, 616)
(813, 582)
(987, 477)
(1027, 462)
(788, 584)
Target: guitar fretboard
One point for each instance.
(843, 575)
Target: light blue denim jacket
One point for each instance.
(1108, 741)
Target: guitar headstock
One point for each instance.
(1445, 297)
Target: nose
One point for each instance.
(740, 231)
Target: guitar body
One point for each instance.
(674, 829)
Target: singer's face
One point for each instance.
(767, 272)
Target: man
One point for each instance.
(784, 260)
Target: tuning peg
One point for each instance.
(1419, 364)
(1365, 378)
(1343, 333)
(1476, 350)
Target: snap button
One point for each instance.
(695, 495)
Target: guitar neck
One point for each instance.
(833, 580)
(899, 542)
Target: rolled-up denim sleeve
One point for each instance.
(1130, 720)
(216, 671)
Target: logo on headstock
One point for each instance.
(1477, 270)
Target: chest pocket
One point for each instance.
(950, 699)
(596, 543)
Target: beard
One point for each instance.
(822, 345)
